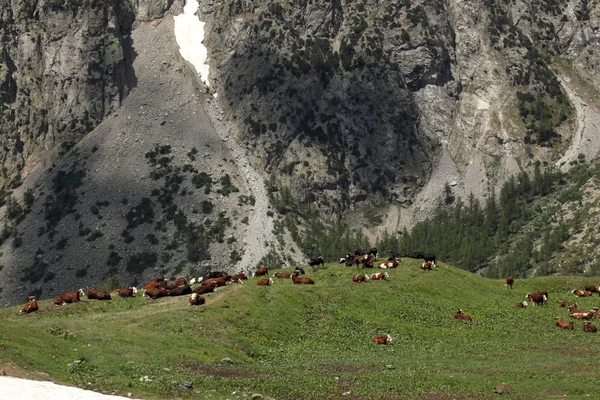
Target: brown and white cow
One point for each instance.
(126, 292)
(31, 306)
(561, 323)
(366, 260)
(580, 293)
(155, 293)
(68, 297)
(427, 266)
(460, 314)
(588, 327)
(221, 281)
(156, 282)
(379, 276)
(284, 275)
(537, 298)
(581, 314)
(381, 339)
(509, 282)
(239, 277)
(389, 264)
(262, 271)
(196, 299)
(564, 303)
(264, 282)
(302, 281)
(357, 278)
(522, 304)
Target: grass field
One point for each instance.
(313, 342)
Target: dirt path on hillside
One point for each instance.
(585, 140)
(259, 229)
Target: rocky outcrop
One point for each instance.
(358, 102)
(64, 67)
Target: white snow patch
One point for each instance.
(189, 33)
(16, 388)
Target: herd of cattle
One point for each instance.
(160, 287)
(541, 298)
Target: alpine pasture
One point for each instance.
(287, 341)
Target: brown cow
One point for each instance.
(564, 303)
(179, 282)
(31, 306)
(264, 270)
(94, 294)
(155, 293)
(154, 284)
(522, 304)
(379, 276)
(126, 292)
(592, 288)
(196, 299)
(389, 264)
(68, 297)
(561, 323)
(284, 275)
(460, 314)
(302, 281)
(221, 281)
(537, 298)
(181, 290)
(509, 282)
(359, 278)
(381, 339)
(588, 327)
(265, 282)
(203, 289)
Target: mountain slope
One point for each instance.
(146, 193)
(353, 111)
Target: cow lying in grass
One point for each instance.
(68, 297)
(561, 323)
(460, 315)
(31, 306)
(382, 339)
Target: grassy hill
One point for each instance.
(313, 342)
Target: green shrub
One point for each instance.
(140, 261)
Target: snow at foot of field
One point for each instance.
(16, 388)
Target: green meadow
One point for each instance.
(290, 341)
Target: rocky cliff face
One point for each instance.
(348, 104)
(65, 66)
(366, 102)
